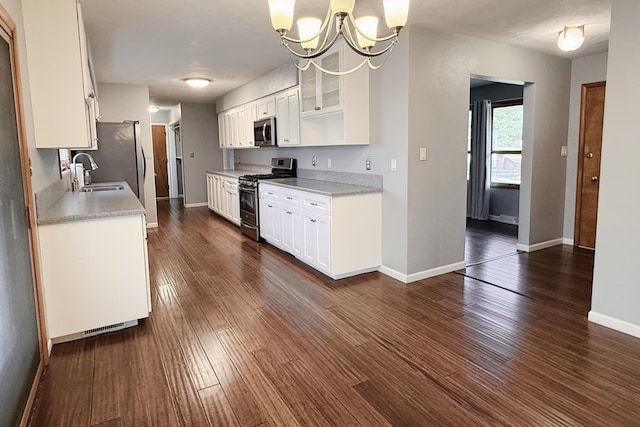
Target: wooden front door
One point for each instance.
(159, 136)
(591, 121)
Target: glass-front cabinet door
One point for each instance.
(321, 92)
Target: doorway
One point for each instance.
(494, 158)
(159, 137)
(590, 147)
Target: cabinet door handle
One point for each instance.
(289, 198)
(317, 108)
(289, 212)
(313, 204)
(269, 206)
(312, 220)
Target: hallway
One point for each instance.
(242, 334)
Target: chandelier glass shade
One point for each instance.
(316, 36)
(571, 38)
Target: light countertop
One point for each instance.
(79, 206)
(326, 188)
(242, 170)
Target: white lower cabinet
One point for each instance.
(339, 236)
(94, 274)
(291, 220)
(223, 197)
(317, 242)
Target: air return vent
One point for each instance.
(95, 331)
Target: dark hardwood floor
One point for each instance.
(242, 334)
(487, 240)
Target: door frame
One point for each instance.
(580, 171)
(8, 29)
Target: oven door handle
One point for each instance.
(264, 132)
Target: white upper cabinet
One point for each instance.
(288, 117)
(266, 107)
(335, 109)
(322, 92)
(63, 95)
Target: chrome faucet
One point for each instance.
(75, 183)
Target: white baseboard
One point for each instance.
(152, 225)
(393, 273)
(421, 275)
(196, 205)
(505, 219)
(566, 241)
(540, 246)
(616, 324)
(353, 273)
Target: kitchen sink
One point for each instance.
(101, 187)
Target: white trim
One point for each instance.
(425, 274)
(196, 205)
(353, 273)
(566, 241)
(540, 246)
(50, 346)
(393, 273)
(615, 324)
(505, 219)
(421, 275)
(152, 225)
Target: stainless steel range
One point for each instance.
(248, 189)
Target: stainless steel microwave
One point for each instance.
(264, 132)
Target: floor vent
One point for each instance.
(95, 331)
(103, 329)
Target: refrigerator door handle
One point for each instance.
(144, 164)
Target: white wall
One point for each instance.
(119, 102)
(420, 98)
(199, 136)
(587, 69)
(616, 285)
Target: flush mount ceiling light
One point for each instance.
(198, 83)
(571, 38)
(153, 109)
(360, 34)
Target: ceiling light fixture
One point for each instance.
(153, 109)
(360, 34)
(198, 83)
(571, 38)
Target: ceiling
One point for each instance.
(160, 42)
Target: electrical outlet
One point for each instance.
(423, 154)
(564, 151)
(394, 165)
(329, 163)
(367, 164)
(313, 161)
(192, 154)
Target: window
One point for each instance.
(506, 143)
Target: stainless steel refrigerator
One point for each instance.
(119, 156)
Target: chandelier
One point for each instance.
(360, 34)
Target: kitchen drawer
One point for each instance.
(317, 205)
(290, 197)
(269, 193)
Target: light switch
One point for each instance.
(192, 154)
(564, 151)
(329, 163)
(367, 164)
(313, 161)
(394, 165)
(423, 154)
